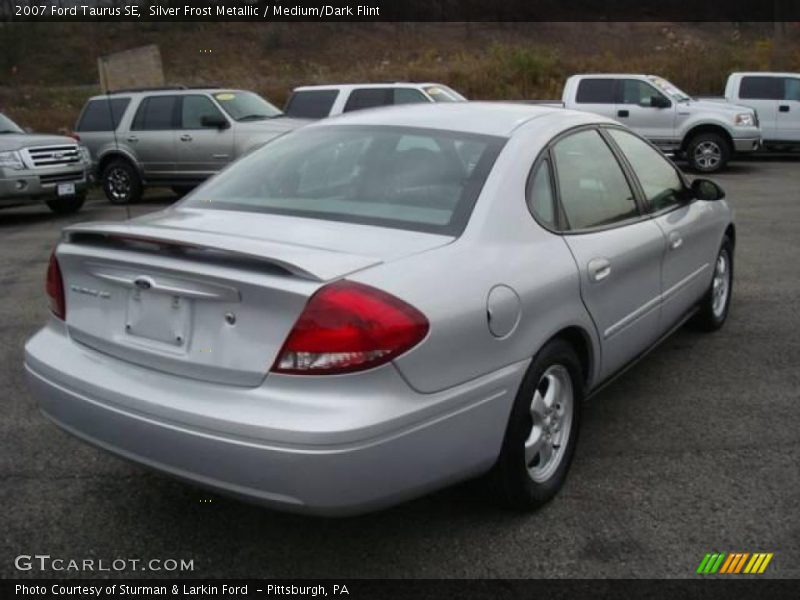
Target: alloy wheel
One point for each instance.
(551, 421)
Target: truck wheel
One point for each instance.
(121, 182)
(542, 430)
(708, 152)
(66, 206)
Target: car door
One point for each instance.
(788, 116)
(763, 93)
(688, 226)
(597, 95)
(646, 110)
(616, 248)
(202, 149)
(152, 136)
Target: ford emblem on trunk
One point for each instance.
(142, 283)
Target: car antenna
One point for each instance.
(104, 84)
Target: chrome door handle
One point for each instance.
(675, 241)
(132, 138)
(599, 269)
(186, 137)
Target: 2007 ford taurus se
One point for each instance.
(378, 305)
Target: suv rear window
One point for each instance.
(401, 177)
(596, 91)
(102, 114)
(311, 104)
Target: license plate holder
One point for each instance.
(65, 189)
(158, 317)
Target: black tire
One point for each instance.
(708, 152)
(712, 315)
(66, 206)
(121, 182)
(511, 475)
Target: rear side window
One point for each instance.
(311, 104)
(369, 98)
(102, 114)
(596, 91)
(761, 88)
(540, 197)
(593, 189)
(156, 113)
(661, 183)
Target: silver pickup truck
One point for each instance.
(35, 167)
(706, 133)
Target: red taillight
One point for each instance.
(55, 288)
(348, 326)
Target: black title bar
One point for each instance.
(399, 10)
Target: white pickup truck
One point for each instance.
(776, 99)
(707, 133)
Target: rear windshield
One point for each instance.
(246, 106)
(103, 114)
(407, 178)
(311, 104)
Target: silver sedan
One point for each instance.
(381, 304)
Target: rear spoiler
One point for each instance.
(315, 264)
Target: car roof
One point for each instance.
(615, 75)
(484, 118)
(165, 92)
(350, 86)
(766, 73)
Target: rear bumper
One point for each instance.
(318, 450)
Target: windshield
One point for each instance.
(669, 89)
(246, 106)
(8, 126)
(407, 178)
(442, 93)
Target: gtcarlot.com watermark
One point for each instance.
(46, 562)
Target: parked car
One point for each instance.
(775, 97)
(41, 167)
(379, 305)
(320, 101)
(175, 137)
(706, 133)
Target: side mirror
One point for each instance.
(659, 101)
(216, 121)
(705, 189)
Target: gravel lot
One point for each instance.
(694, 450)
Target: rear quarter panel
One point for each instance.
(502, 245)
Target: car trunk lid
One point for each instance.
(210, 305)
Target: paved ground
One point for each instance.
(697, 449)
